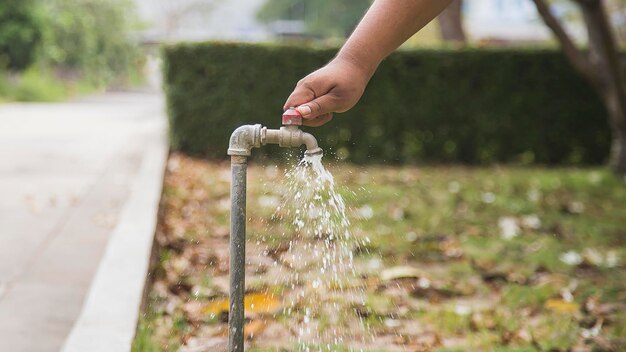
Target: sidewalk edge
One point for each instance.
(109, 316)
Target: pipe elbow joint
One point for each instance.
(243, 139)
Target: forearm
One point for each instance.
(339, 85)
(385, 26)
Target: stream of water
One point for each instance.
(323, 294)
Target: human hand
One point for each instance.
(336, 87)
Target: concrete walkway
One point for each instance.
(66, 171)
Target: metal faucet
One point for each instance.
(246, 137)
(243, 139)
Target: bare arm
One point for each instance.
(339, 85)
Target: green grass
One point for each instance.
(488, 292)
(37, 85)
(143, 338)
(41, 84)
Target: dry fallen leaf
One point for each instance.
(561, 306)
(254, 328)
(400, 272)
(255, 303)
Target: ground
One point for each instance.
(458, 259)
(66, 174)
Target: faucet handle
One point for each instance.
(292, 117)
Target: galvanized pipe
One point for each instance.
(238, 167)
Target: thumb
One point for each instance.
(319, 106)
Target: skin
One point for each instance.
(338, 86)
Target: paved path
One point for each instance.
(65, 173)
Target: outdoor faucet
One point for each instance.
(247, 137)
(243, 139)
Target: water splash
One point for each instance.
(323, 293)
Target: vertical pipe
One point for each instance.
(237, 252)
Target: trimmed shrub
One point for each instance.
(469, 106)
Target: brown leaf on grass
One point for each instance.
(175, 244)
(254, 328)
(521, 336)
(221, 283)
(199, 254)
(499, 277)
(573, 207)
(506, 336)
(276, 251)
(274, 334)
(451, 248)
(493, 277)
(179, 288)
(193, 311)
(362, 311)
(160, 288)
(580, 349)
(220, 231)
(434, 294)
(401, 272)
(481, 321)
(595, 308)
(192, 306)
(558, 231)
(197, 344)
(423, 342)
(496, 276)
(415, 281)
(603, 344)
(222, 265)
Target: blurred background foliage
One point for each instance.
(52, 49)
(20, 32)
(331, 22)
(319, 17)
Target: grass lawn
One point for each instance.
(458, 259)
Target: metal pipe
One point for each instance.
(238, 167)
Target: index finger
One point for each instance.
(300, 95)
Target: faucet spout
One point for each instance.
(312, 148)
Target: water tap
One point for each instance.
(289, 135)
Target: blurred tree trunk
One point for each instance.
(451, 23)
(600, 66)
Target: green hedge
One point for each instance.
(470, 106)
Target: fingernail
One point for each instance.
(304, 110)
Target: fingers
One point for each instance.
(318, 120)
(315, 111)
(326, 104)
(314, 99)
(301, 94)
